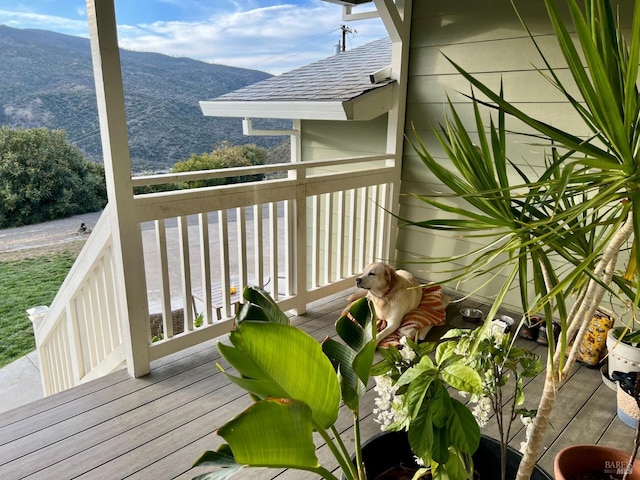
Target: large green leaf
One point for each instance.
(269, 307)
(464, 432)
(286, 362)
(273, 433)
(462, 377)
(342, 357)
(353, 358)
(420, 435)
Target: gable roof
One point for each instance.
(335, 88)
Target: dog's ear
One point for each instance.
(390, 275)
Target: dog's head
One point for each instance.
(378, 278)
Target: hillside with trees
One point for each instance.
(47, 81)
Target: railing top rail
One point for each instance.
(145, 180)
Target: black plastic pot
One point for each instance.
(389, 449)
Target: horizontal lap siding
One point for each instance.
(487, 39)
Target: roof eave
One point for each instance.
(367, 106)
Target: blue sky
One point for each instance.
(269, 35)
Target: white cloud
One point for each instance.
(275, 38)
(46, 22)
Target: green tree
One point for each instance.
(224, 156)
(44, 177)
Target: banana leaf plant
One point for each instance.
(297, 385)
(556, 231)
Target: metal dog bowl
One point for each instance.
(472, 315)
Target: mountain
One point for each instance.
(47, 81)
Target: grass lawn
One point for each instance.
(24, 284)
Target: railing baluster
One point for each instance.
(205, 263)
(223, 230)
(257, 243)
(362, 239)
(351, 251)
(315, 242)
(185, 263)
(341, 214)
(273, 246)
(328, 236)
(385, 224)
(167, 314)
(289, 247)
(373, 224)
(241, 231)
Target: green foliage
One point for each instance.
(43, 177)
(559, 231)
(503, 366)
(569, 214)
(223, 156)
(26, 284)
(297, 386)
(441, 430)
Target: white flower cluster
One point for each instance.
(482, 409)
(406, 351)
(386, 402)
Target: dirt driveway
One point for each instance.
(44, 238)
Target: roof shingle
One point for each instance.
(338, 78)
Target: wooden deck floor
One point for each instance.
(155, 427)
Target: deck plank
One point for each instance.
(156, 426)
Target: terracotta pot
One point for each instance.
(593, 459)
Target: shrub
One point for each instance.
(44, 177)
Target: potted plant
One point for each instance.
(599, 461)
(624, 354)
(557, 231)
(298, 385)
(414, 397)
(295, 389)
(408, 381)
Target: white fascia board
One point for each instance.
(367, 106)
(285, 110)
(373, 104)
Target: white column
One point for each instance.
(396, 17)
(132, 309)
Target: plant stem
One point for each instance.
(358, 444)
(344, 462)
(324, 473)
(580, 316)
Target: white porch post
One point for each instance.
(131, 299)
(396, 17)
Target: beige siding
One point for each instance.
(487, 39)
(323, 140)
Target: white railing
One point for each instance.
(302, 237)
(77, 338)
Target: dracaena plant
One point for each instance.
(297, 385)
(556, 231)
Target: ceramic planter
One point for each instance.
(622, 357)
(388, 449)
(594, 460)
